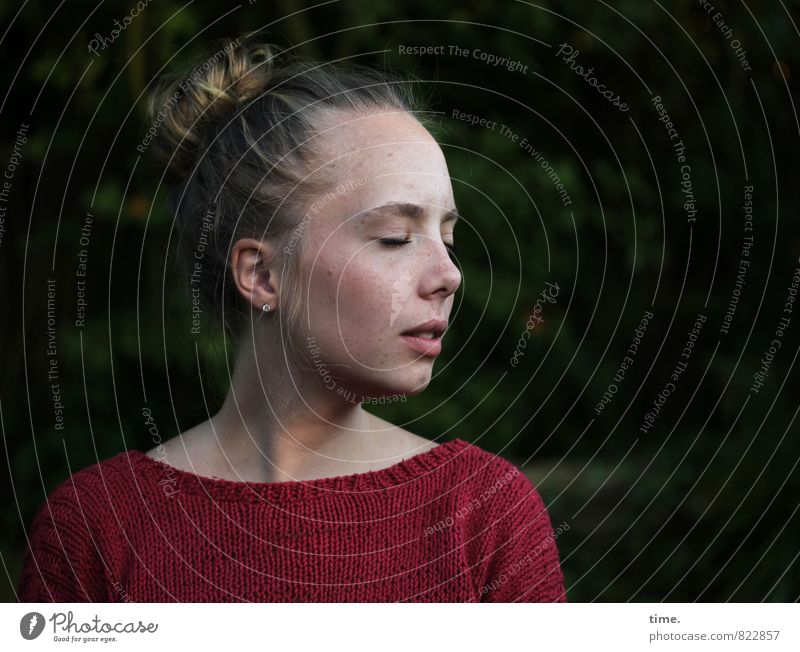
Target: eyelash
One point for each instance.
(392, 242)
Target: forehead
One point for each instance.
(382, 158)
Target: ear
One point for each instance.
(254, 273)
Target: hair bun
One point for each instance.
(184, 106)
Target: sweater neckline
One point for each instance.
(416, 467)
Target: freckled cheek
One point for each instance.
(349, 291)
(363, 297)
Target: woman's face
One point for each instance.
(376, 257)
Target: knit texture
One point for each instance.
(452, 524)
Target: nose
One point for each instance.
(440, 274)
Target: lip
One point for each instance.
(423, 345)
(426, 346)
(438, 326)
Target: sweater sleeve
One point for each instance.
(62, 562)
(518, 560)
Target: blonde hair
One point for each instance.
(235, 136)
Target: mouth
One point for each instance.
(431, 329)
(427, 346)
(426, 338)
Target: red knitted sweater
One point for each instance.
(452, 524)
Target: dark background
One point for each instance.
(702, 507)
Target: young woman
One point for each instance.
(317, 214)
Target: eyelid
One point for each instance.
(393, 242)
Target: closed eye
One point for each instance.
(393, 242)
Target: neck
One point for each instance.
(278, 426)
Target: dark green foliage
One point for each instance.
(702, 507)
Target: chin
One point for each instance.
(413, 385)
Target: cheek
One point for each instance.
(365, 296)
(354, 295)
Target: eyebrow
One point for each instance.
(412, 211)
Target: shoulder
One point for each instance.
(499, 496)
(91, 501)
(500, 499)
(88, 485)
(485, 486)
(491, 475)
(99, 501)
(73, 537)
(509, 540)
